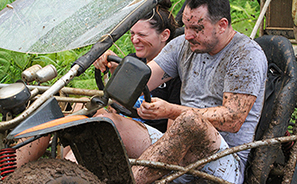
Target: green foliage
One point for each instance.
(4, 66)
(85, 84)
(176, 6)
(244, 15)
(11, 65)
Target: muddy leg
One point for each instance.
(32, 151)
(189, 138)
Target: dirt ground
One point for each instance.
(57, 171)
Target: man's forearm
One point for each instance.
(220, 117)
(228, 117)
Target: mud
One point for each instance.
(50, 171)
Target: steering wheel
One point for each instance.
(127, 111)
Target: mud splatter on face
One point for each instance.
(145, 42)
(199, 28)
(188, 19)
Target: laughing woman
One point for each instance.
(149, 35)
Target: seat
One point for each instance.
(280, 101)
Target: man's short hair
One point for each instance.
(217, 9)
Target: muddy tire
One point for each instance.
(52, 171)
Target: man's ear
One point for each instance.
(165, 35)
(222, 25)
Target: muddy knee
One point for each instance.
(194, 127)
(191, 121)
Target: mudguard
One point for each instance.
(97, 146)
(48, 111)
(51, 126)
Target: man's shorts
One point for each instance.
(227, 168)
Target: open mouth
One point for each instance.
(139, 48)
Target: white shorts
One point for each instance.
(154, 133)
(227, 168)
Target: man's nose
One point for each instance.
(189, 34)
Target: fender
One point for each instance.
(49, 118)
(56, 125)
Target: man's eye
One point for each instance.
(199, 28)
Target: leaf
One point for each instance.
(21, 59)
(43, 61)
(244, 27)
(237, 8)
(4, 66)
(5, 55)
(67, 57)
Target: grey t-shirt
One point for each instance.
(241, 67)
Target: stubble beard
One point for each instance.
(209, 45)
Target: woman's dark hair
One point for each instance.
(161, 18)
(217, 9)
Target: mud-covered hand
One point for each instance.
(101, 63)
(157, 109)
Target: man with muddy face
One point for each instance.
(199, 30)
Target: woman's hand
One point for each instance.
(157, 109)
(101, 63)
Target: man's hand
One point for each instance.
(157, 109)
(101, 63)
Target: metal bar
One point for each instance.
(260, 18)
(294, 12)
(294, 16)
(262, 22)
(45, 96)
(67, 99)
(67, 90)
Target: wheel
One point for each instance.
(52, 171)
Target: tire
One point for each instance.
(52, 171)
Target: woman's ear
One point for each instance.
(165, 35)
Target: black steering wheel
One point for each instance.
(127, 111)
